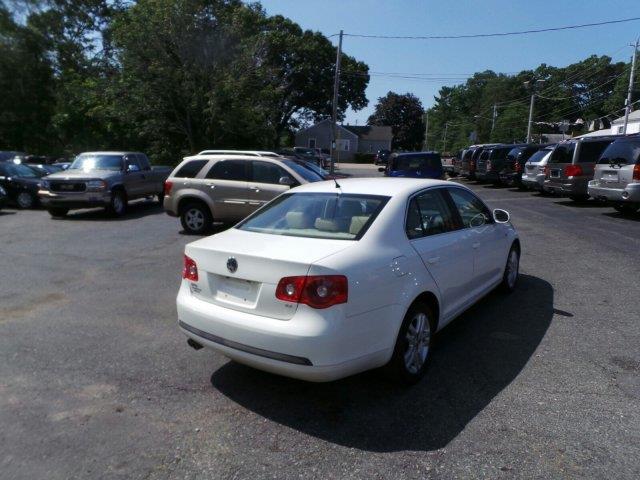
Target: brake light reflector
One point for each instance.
(190, 269)
(517, 167)
(472, 165)
(572, 170)
(167, 187)
(546, 171)
(317, 291)
(636, 172)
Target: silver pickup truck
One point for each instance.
(102, 179)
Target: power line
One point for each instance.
(485, 35)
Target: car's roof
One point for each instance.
(376, 186)
(110, 152)
(226, 156)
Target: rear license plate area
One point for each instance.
(555, 173)
(609, 176)
(233, 290)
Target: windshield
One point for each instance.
(20, 170)
(414, 163)
(621, 153)
(91, 162)
(308, 175)
(314, 168)
(514, 153)
(317, 215)
(539, 155)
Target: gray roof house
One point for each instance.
(351, 139)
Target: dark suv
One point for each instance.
(491, 162)
(414, 165)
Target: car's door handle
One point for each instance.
(433, 260)
(255, 189)
(476, 245)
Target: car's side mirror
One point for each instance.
(132, 167)
(286, 181)
(381, 169)
(501, 216)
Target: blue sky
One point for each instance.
(453, 17)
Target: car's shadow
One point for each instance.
(135, 209)
(633, 217)
(474, 358)
(581, 204)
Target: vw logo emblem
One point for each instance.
(232, 265)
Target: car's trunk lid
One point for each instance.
(260, 261)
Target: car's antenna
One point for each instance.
(336, 182)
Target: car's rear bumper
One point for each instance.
(631, 193)
(535, 183)
(74, 200)
(313, 345)
(566, 187)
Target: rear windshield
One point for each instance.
(563, 153)
(539, 155)
(317, 215)
(415, 163)
(590, 151)
(621, 153)
(307, 173)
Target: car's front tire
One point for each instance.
(196, 218)
(118, 203)
(412, 352)
(57, 212)
(511, 270)
(26, 200)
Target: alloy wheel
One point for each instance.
(194, 219)
(418, 339)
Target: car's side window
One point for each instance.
(191, 169)
(132, 164)
(473, 212)
(429, 214)
(229, 170)
(144, 162)
(265, 172)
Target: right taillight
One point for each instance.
(546, 171)
(636, 172)
(317, 291)
(190, 269)
(573, 171)
(167, 187)
(472, 165)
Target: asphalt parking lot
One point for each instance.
(97, 382)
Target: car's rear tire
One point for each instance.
(511, 270)
(26, 200)
(196, 218)
(57, 211)
(579, 198)
(118, 203)
(626, 208)
(412, 352)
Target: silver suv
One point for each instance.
(617, 176)
(227, 188)
(534, 169)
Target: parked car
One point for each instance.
(617, 175)
(321, 284)
(414, 165)
(4, 198)
(319, 170)
(447, 163)
(457, 162)
(491, 161)
(469, 161)
(10, 155)
(44, 168)
(513, 166)
(572, 165)
(320, 158)
(533, 173)
(102, 179)
(21, 183)
(62, 165)
(382, 156)
(228, 188)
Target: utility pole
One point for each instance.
(533, 97)
(444, 140)
(336, 88)
(426, 131)
(493, 118)
(627, 109)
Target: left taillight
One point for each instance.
(190, 269)
(167, 187)
(517, 167)
(573, 171)
(316, 291)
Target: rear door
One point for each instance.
(134, 177)
(264, 182)
(560, 158)
(226, 184)
(445, 250)
(488, 239)
(149, 186)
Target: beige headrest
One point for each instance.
(357, 223)
(298, 220)
(326, 225)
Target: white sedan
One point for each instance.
(326, 281)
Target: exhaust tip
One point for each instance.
(193, 344)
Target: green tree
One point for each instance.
(403, 113)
